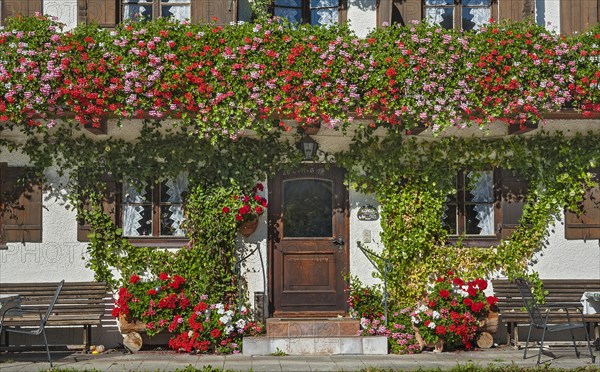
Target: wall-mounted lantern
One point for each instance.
(309, 147)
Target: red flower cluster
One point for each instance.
(452, 310)
(247, 207)
(169, 304)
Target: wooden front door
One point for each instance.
(308, 241)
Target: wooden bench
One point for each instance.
(79, 304)
(566, 292)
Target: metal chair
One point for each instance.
(41, 329)
(539, 320)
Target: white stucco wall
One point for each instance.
(567, 259)
(547, 13)
(362, 15)
(65, 10)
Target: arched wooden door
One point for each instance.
(308, 242)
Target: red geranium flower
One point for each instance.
(444, 294)
(134, 279)
(215, 333)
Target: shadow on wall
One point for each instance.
(364, 4)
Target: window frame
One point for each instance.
(457, 6)
(305, 10)
(461, 218)
(154, 240)
(156, 7)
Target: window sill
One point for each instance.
(158, 242)
(475, 242)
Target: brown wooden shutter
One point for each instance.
(578, 16)
(21, 206)
(225, 11)
(587, 224)
(104, 13)
(399, 11)
(513, 189)
(27, 8)
(514, 10)
(109, 206)
(384, 12)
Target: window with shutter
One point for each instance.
(20, 205)
(26, 8)
(486, 208)
(107, 13)
(586, 224)
(314, 12)
(458, 14)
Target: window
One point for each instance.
(487, 206)
(107, 13)
(20, 206)
(314, 12)
(154, 211)
(471, 210)
(585, 225)
(152, 9)
(458, 14)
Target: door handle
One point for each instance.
(339, 241)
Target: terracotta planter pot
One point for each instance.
(310, 130)
(127, 324)
(248, 228)
(438, 347)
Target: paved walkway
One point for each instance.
(113, 360)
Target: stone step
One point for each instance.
(349, 345)
(312, 327)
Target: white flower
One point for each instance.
(225, 319)
(431, 325)
(414, 320)
(435, 315)
(423, 308)
(228, 329)
(241, 323)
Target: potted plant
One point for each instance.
(247, 208)
(451, 313)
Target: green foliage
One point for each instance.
(413, 178)
(364, 301)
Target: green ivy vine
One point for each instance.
(412, 179)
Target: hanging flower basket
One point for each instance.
(248, 228)
(311, 130)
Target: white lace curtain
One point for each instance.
(137, 207)
(483, 192)
(323, 12)
(133, 215)
(175, 188)
(169, 8)
(476, 12)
